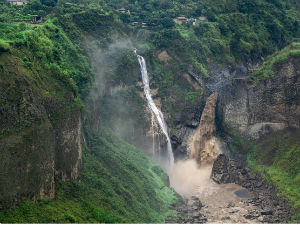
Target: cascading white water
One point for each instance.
(154, 110)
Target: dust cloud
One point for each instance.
(186, 176)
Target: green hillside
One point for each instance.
(51, 72)
(118, 184)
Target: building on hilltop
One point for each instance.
(123, 10)
(17, 2)
(180, 20)
(202, 18)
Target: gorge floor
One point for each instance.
(222, 205)
(219, 202)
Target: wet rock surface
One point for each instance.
(188, 211)
(180, 141)
(270, 207)
(242, 193)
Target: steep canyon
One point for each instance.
(149, 112)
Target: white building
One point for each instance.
(17, 2)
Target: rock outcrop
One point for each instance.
(164, 57)
(270, 105)
(203, 144)
(40, 135)
(188, 211)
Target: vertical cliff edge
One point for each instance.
(40, 132)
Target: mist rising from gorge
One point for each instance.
(187, 176)
(104, 62)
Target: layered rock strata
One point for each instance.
(256, 109)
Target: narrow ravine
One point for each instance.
(208, 195)
(191, 178)
(226, 188)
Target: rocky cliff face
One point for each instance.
(273, 104)
(203, 143)
(40, 134)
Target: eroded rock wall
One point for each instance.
(40, 135)
(257, 109)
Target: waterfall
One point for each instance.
(154, 110)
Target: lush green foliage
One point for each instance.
(241, 30)
(64, 209)
(269, 67)
(49, 46)
(118, 184)
(59, 55)
(12, 13)
(236, 30)
(4, 46)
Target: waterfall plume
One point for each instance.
(155, 112)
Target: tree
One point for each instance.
(167, 22)
(35, 5)
(51, 3)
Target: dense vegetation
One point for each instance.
(236, 30)
(277, 159)
(119, 184)
(48, 46)
(270, 65)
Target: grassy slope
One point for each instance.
(118, 184)
(277, 158)
(270, 65)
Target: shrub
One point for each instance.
(269, 66)
(201, 69)
(4, 46)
